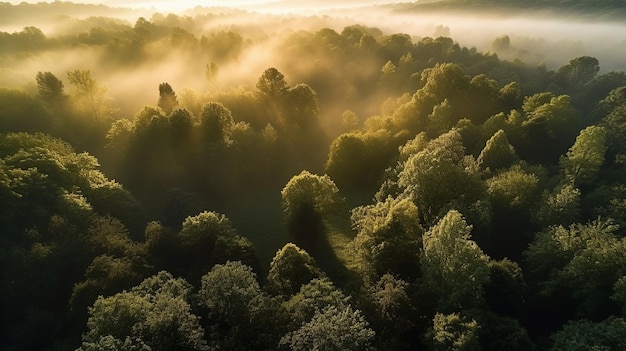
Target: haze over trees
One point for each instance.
(207, 181)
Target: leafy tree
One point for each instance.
(388, 239)
(393, 313)
(506, 289)
(453, 332)
(50, 88)
(549, 127)
(332, 329)
(582, 162)
(167, 98)
(561, 206)
(89, 93)
(583, 262)
(303, 106)
(242, 317)
(497, 153)
(441, 119)
(358, 160)
(215, 125)
(291, 268)
(578, 71)
(305, 199)
(272, 85)
(436, 176)
(206, 239)
(313, 297)
(149, 315)
(514, 196)
(454, 267)
(587, 335)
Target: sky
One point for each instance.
(257, 5)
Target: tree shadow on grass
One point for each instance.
(308, 231)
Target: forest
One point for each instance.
(227, 179)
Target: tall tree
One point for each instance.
(89, 92)
(455, 268)
(49, 88)
(306, 199)
(272, 85)
(497, 153)
(291, 268)
(583, 160)
(167, 98)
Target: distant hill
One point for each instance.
(35, 14)
(592, 9)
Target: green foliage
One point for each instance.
(446, 130)
(588, 335)
(358, 160)
(153, 317)
(209, 238)
(309, 192)
(242, 317)
(497, 153)
(89, 94)
(332, 329)
(455, 268)
(291, 268)
(584, 260)
(435, 177)
(313, 297)
(549, 127)
(453, 332)
(578, 71)
(388, 239)
(583, 160)
(167, 98)
(561, 206)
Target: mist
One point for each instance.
(263, 28)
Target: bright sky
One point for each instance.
(177, 6)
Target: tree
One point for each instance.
(587, 335)
(216, 122)
(291, 268)
(578, 71)
(241, 316)
(305, 199)
(272, 85)
(514, 196)
(561, 206)
(49, 88)
(358, 160)
(452, 332)
(454, 267)
(167, 98)
(393, 313)
(151, 314)
(314, 296)
(549, 127)
(89, 92)
(441, 119)
(580, 263)
(435, 177)
(497, 153)
(388, 239)
(332, 329)
(209, 238)
(582, 162)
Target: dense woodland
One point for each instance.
(367, 191)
